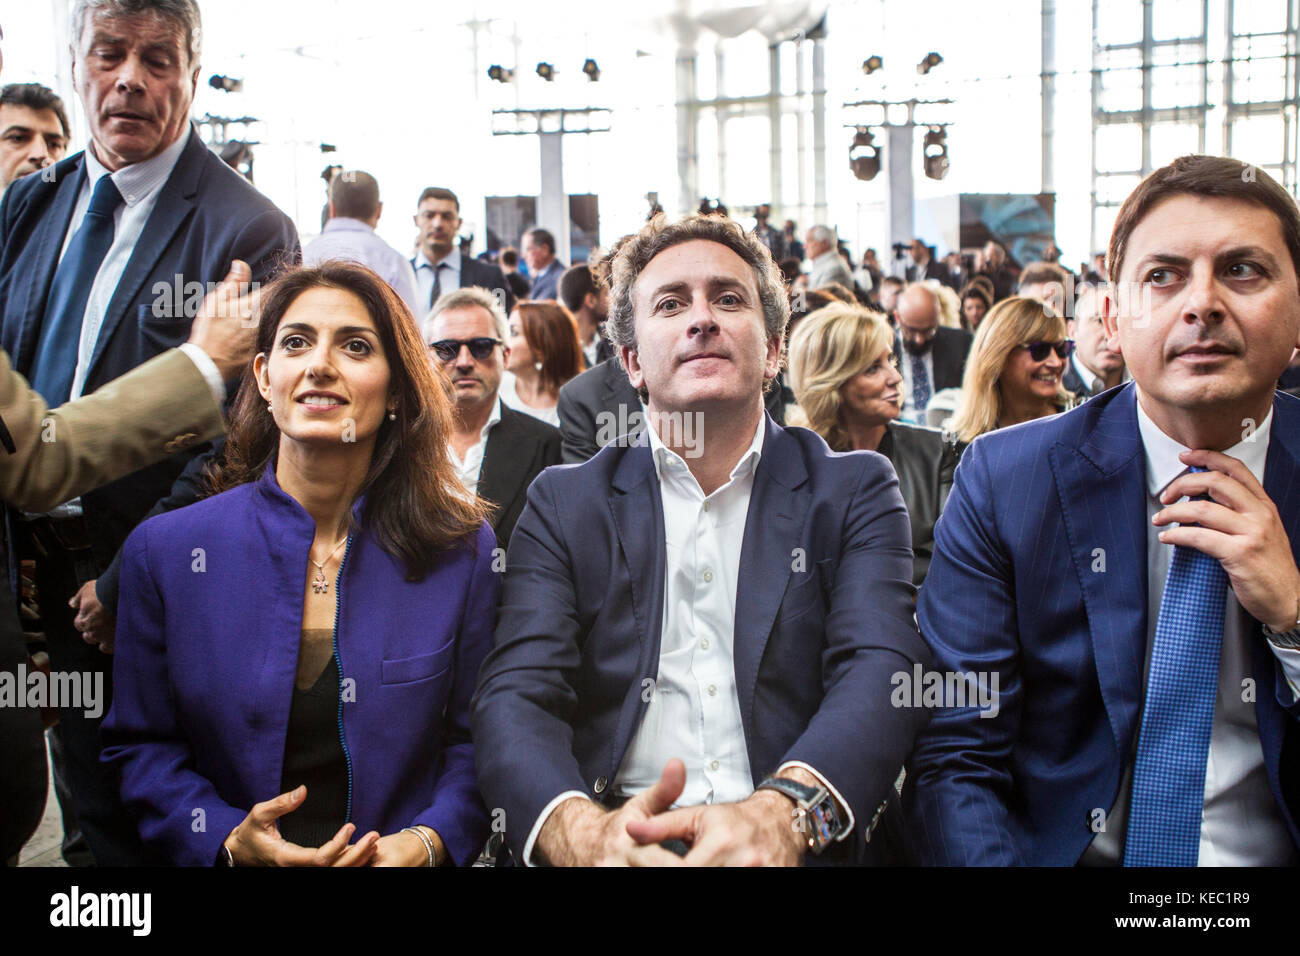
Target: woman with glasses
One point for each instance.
(297, 653)
(1013, 372)
(849, 391)
(545, 352)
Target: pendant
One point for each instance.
(318, 583)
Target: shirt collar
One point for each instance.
(1084, 373)
(346, 224)
(138, 181)
(452, 261)
(493, 419)
(664, 456)
(1163, 466)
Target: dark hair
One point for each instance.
(552, 335)
(415, 504)
(185, 13)
(354, 195)
(790, 268)
(542, 238)
(1213, 176)
(437, 192)
(892, 280)
(976, 290)
(35, 97)
(985, 283)
(814, 299)
(509, 256)
(575, 284)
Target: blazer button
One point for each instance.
(601, 784)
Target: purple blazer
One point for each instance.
(208, 630)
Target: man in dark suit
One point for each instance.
(439, 265)
(1094, 366)
(1124, 575)
(708, 617)
(102, 266)
(497, 450)
(539, 252)
(930, 356)
(924, 265)
(588, 302)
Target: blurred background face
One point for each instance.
(973, 309)
(1024, 380)
(918, 319)
(889, 293)
(473, 381)
(872, 397)
(136, 82)
(536, 254)
(1090, 343)
(438, 222)
(29, 140)
(326, 371)
(1224, 311)
(521, 356)
(918, 250)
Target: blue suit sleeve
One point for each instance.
(175, 807)
(525, 704)
(959, 780)
(457, 813)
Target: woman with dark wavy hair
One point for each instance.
(296, 654)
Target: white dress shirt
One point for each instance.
(510, 395)
(471, 468)
(447, 271)
(356, 241)
(694, 709)
(1241, 824)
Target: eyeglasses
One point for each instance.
(1038, 350)
(480, 348)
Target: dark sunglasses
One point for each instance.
(448, 349)
(1038, 350)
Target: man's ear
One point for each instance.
(772, 365)
(1106, 302)
(260, 373)
(632, 362)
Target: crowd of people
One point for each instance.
(716, 549)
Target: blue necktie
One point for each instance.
(920, 385)
(65, 309)
(1164, 826)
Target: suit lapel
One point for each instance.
(49, 240)
(638, 515)
(505, 460)
(172, 211)
(1102, 491)
(778, 506)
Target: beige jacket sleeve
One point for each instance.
(151, 412)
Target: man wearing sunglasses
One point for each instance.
(1124, 575)
(497, 450)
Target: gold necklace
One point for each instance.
(319, 584)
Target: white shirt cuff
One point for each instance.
(1289, 658)
(541, 821)
(844, 804)
(208, 368)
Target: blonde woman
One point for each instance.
(849, 390)
(1013, 372)
(949, 304)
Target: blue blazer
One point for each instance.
(1016, 587)
(206, 215)
(824, 617)
(207, 648)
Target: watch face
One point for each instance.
(825, 823)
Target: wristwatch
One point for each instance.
(817, 815)
(1288, 640)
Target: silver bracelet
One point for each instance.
(428, 844)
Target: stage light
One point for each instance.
(227, 84)
(864, 155)
(546, 71)
(871, 64)
(500, 73)
(929, 63)
(591, 69)
(935, 152)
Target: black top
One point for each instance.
(313, 755)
